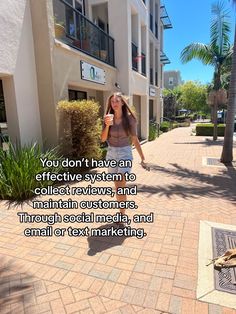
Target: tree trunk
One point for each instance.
(212, 114)
(227, 152)
(215, 120)
(217, 85)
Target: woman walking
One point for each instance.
(120, 131)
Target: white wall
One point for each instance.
(120, 11)
(11, 20)
(17, 59)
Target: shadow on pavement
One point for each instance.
(221, 186)
(102, 243)
(206, 142)
(15, 291)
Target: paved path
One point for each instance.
(156, 274)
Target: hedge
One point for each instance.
(206, 129)
(80, 129)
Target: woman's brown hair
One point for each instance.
(126, 111)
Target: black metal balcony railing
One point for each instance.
(81, 33)
(134, 57)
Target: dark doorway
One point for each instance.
(3, 117)
(77, 95)
(150, 109)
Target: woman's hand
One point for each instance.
(108, 120)
(145, 165)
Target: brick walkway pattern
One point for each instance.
(156, 274)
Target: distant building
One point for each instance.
(172, 79)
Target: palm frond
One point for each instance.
(234, 3)
(220, 26)
(199, 51)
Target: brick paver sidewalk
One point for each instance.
(156, 274)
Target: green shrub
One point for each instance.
(18, 168)
(185, 118)
(104, 147)
(165, 126)
(81, 129)
(181, 118)
(175, 125)
(206, 129)
(153, 130)
(184, 124)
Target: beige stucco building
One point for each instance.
(73, 49)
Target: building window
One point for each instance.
(151, 22)
(143, 64)
(78, 5)
(156, 30)
(77, 95)
(156, 78)
(171, 81)
(101, 24)
(151, 76)
(134, 57)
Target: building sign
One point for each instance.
(92, 73)
(152, 92)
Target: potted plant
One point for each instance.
(59, 28)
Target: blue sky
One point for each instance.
(191, 23)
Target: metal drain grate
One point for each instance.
(214, 161)
(225, 279)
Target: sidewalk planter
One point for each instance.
(207, 129)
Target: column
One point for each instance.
(139, 44)
(145, 117)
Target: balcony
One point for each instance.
(165, 18)
(75, 30)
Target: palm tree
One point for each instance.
(217, 53)
(227, 152)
